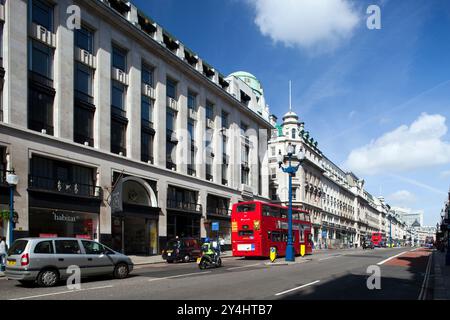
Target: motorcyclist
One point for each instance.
(209, 250)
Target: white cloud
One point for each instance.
(306, 23)
(445, 174)
(405, 148)
(402, 198)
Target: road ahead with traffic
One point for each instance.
(334, 274)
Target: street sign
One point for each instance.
(215, 226)
(302, 250)
(273, 254)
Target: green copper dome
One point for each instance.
(250, 80)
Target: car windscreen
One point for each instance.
(17, 247)
(173, 244)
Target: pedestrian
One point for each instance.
(3, 250)
(222, 243)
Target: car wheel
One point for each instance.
(187, 258)
(48, 278)
(121, 271)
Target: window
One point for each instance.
(84, 39)
(273, 173)
(192, 101)
(92, 247)
(42, 14)
(170, 120)
(119, 59)
(191, 130)
(245, 177)
(225, 147)
(273, 151)
(118, 95)
(244, 129)
(293, 133)
(67, 247)
(18, 247)
(224, 173)
(170, 155)
(83, 79)
(147, 75)
(146, 147)
(224, 119)
(246, 208)
(118, 137)
(83, 125)
(44, 247)
(40, 111)
(294, 193)
(41, 59)
(209, 111)
(146, 109)
(171, 88)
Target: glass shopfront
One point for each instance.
(224, 232)
(61, 223)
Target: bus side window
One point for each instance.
(284, 213)
(266, 211)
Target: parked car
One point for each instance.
(368, 245)
(45, 260)
(182, 249)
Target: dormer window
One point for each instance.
(190, 58)
(208, 71)
(170, 43)
(245, 98)
(223, 83)
(121, 6)
(146, 25)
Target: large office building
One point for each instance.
(119, 132)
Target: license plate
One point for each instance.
(198, 260)
(11, 262)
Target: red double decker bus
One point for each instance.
(257, 226)
(378, 240)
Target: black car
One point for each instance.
(182, 249)
(368, 245)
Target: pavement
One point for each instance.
(441, 273)
(404, 273)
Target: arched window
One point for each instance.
(293, 133)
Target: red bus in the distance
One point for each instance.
(378, 240)
(257, 226)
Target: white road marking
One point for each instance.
(62, 292)
(297, 288)
(423, 292)
(388, 259)
(247, 266)
(180, 275)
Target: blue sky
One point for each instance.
(377, 101)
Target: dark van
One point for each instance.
(182, 249)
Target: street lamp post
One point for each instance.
(12, 179)
(390, 231)
(290, 170)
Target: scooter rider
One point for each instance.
(209, 250)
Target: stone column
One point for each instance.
(102, 89)
(134, 105)
(15, 35)
(160, 116)
(63, 75)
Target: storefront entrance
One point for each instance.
(135, 235)
(135, 226)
